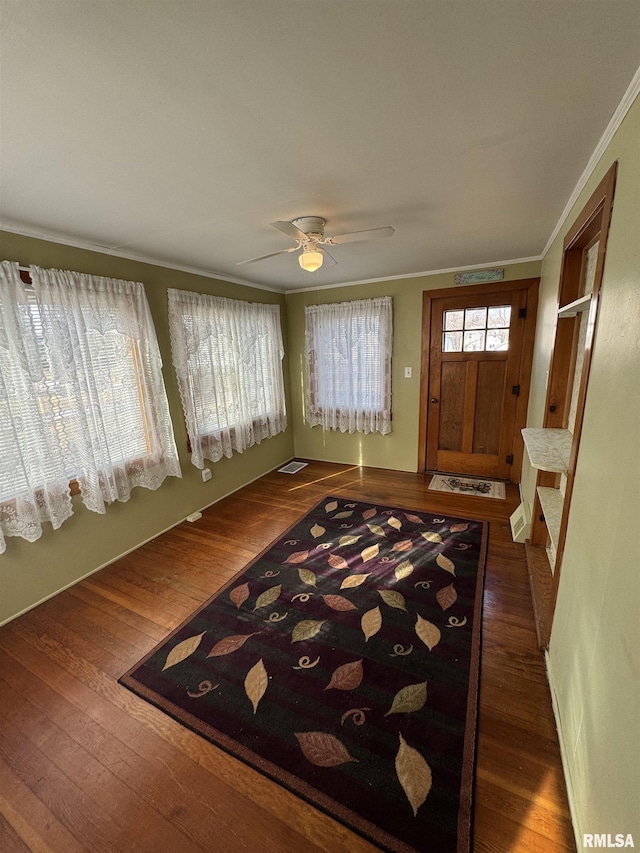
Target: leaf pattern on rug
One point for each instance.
(239, 594)
(268, 596)
(306, 630)
(255, 684)
(408, 699)
(414, 774)
(322, 749)
(230, 644)
(183, 650)
(346, 677)
(361, 700)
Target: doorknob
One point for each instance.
(434, 399)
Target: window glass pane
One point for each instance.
(498, 339)
(474, 341)
(499, 318)
(452, 342)
(453, 320)
(475, 318)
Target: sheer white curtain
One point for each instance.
(113, 423)
(81, 397)
(228, 360)
(34, 485)
(348, 365)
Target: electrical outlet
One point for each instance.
(207, 474)
(408, 372)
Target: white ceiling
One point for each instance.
(177, 130)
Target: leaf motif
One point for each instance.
(353, 581)
(409, 699)
(394, 522)
(346, 677)
(306, 629)
(307, 576)
(337, 562)
(404, 570)
(297, 557)
(429, 633)
(346, 514)
(371, 622)
(458, 528)
(393, 598)
(432, 537)
(414, 518)
(322, 749)
(338, 602)
(447, 596)
(317, 530)
(348, 540)
(331, 506)
(375, 528)
(229, 644)
(369, 513)
(414, 774)
(255, 684)
(405, 545)
(268, 596)
(370, 553)
(445, 563)
(239, 594)
(183, 650)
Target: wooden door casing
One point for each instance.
(470, 419)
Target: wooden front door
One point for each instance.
(476, 340)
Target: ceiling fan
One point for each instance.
(308, 232)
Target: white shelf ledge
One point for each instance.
(551, 501)
(548, 449)
(572, 309)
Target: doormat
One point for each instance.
(468, 486)
(343, 662)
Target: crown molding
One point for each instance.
(52, 237)
(616, 120)
(419, 274)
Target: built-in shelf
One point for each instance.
(551, 501)
(548, 449)
(572, 309)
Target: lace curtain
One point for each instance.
(94, 406)
(228, 360)
(348, 365)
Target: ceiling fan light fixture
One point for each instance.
(311, 259)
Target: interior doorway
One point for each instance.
(477, 349)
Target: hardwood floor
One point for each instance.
(87, 766)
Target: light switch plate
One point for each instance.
(408, 372)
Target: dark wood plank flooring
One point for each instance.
(87, 766)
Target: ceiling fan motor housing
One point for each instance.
(312, 226)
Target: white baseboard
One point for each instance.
(563, 755)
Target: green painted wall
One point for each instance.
(593, 658)
(399, 449)
(30, 572)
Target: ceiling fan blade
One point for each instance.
(270, 255)
(329, 260)
(354, 236)
(290, 230)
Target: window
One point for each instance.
(477, 329)
(348, 362)
(228, 360)
(81, 397)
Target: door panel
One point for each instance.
(475, 361)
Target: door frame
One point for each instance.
(531, 285)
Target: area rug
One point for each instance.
(467, 486)
(343, 662)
